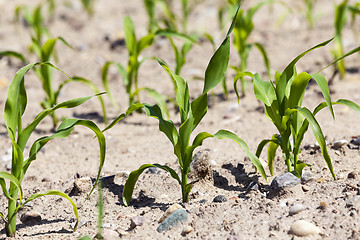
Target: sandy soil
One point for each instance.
(137, 140)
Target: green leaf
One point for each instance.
(14, 180)
(130, 38)
(25, 134)
(94, 88)
(198, 109)
(105, 82)
(13, 54)
(321, 81)
(165, 126)
(182, 91)
(273, 146)
(216, 69)
(264, 91)
(240, 75)
(145, 42)
(63, 131)
(131, 109)
(297, 89)
(263, 53)
(318, 135)
(134, 175)
(224, 134)
(289, 71)
(54, 193)
(48, 47)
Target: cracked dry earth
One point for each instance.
(232, 201)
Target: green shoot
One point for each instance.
(341, 12)
(283, 106)
(130, 73)
(243, 28)
(191, 114)
(15, 107)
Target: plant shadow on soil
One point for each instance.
(42, 222)
(139, 202)
(241, 178)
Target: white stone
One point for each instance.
(304, 228)
(296, 208)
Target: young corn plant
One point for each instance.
(309, 12)
(44, 73)
(15, 107)
(168, 16)
(341, 14)
(191, 114)
(130, 73)
(243, 28)
(283, 106)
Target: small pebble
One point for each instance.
(220, 198)
(187, 230)
(253, 186)
(169, 211)
(109, 234)
(353, 202)
(305, 188)
(180, 215)
(30, 218)
(306, 177)
(356, 142)
(339, 143)
(304, 228)
(296, 208)
(137, 221)
(352, 174)
(323, 205)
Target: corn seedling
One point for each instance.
(243, 28)
(283, 106)
(341, 12)
(168, 18)
(191, 114)
(309, 12)
(44, 72)
(130, 74)
(14, 109)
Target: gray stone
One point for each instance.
(306, 177)
(30, 218)
(295, 209)
(353, 202)
(356, 142)
(252, 186)
(173, 220)
(339, 143)
(137, 221)
(281, 184)
(220, 198)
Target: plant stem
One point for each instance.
(11, 224)
(185, 193)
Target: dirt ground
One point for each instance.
(137, 140)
